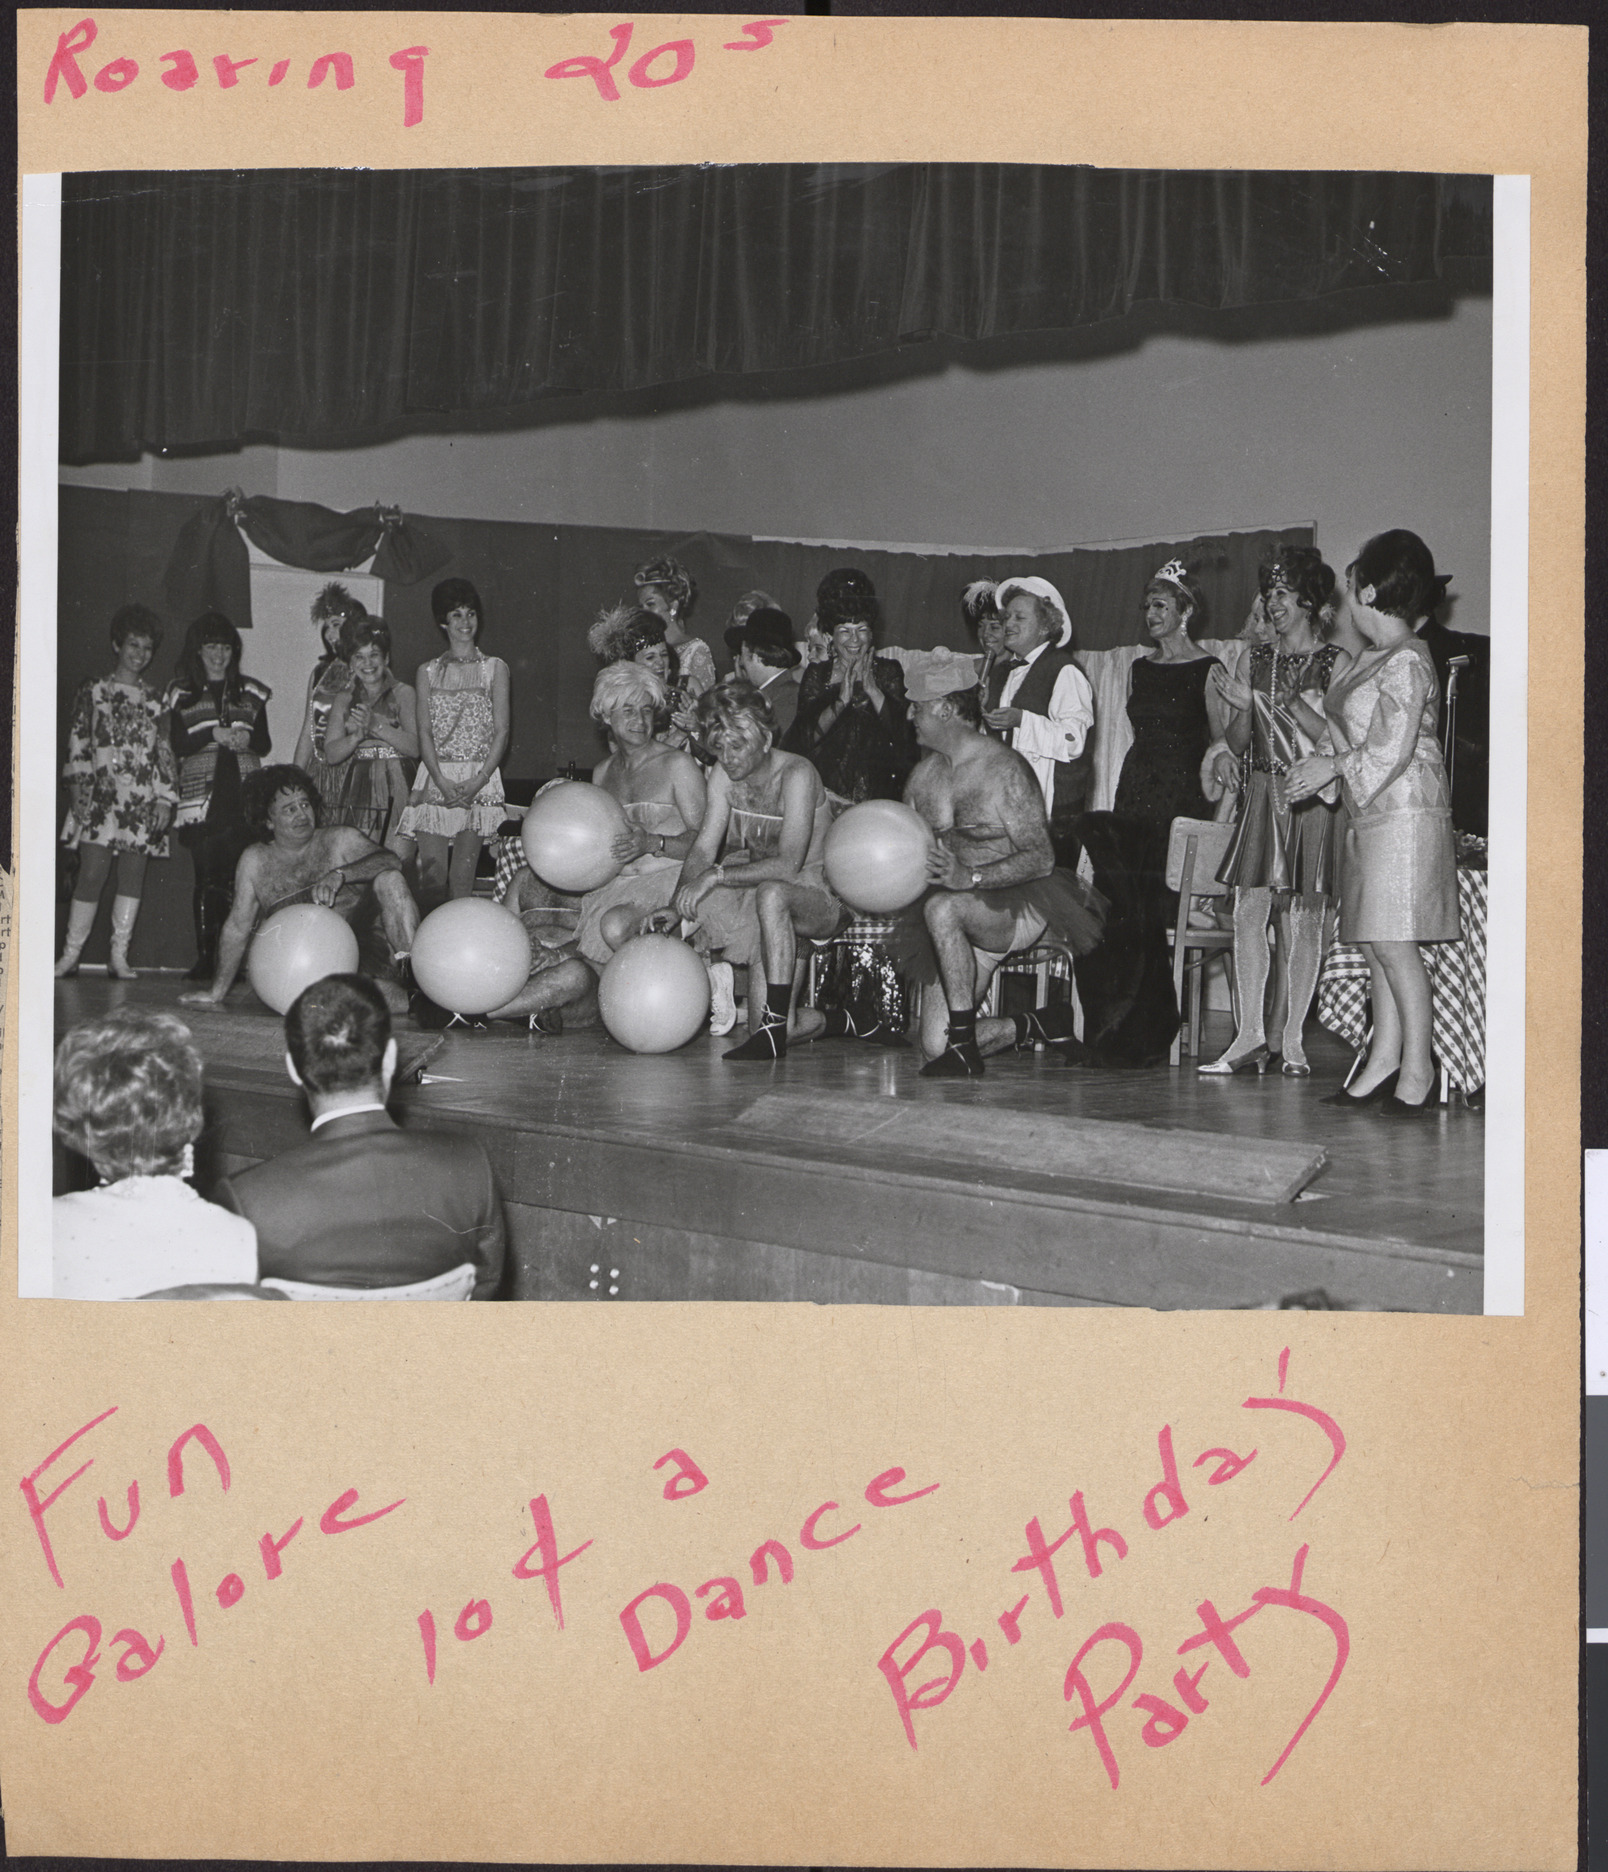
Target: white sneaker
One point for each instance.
(722, 1001)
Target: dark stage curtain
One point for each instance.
(199, 309)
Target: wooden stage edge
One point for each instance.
(638, 1179)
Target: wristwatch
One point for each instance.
(977, 878)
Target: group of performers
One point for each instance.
(1321, 742)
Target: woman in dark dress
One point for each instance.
(852, 722)
(219, 726)
(1284, 859)
(1175, 709)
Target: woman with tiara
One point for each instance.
(1283, 861)
(1175, 709)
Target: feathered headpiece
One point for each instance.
(334, 601)
(977, 600)
(606, 637)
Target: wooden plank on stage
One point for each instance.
(1094, 1150)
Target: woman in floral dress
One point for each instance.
(123, 783)
(462, 703)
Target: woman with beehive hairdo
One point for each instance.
(1398, 867)
(852, 722)
(665, 587)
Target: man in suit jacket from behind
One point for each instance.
(765, 655)
(363, 1203)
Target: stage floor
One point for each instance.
(632, 1177)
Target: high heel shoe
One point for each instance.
(1295, 1069)
(1257, 1060)
(1430, 1102)
(1349, 1101)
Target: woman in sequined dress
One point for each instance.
(1398, 873)
(1283, 860)
(462, 704)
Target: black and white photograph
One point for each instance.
(925, 734)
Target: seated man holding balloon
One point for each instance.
(295, 861)
(753, 882)
(994, 884)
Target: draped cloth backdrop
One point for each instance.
(201, 309)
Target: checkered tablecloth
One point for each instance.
(1456, 979)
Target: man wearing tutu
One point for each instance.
(768, 814)
(995, 885)
(295, 860)
(561, 989)
(363, 1203)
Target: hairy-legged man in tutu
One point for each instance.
(995, 886)
(295, 860)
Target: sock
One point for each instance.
(769, 1042)
(960, 1059)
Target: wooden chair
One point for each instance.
(1195, 852)
(456, 1284)
(1035, 959)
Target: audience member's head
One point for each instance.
(338, 1039)
(261, 791)
(128, 1093)
(136, 620)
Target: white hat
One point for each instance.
(1038, 588)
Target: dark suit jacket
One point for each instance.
(365, 1204)
(782, 695)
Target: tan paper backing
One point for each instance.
(302, 1724)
